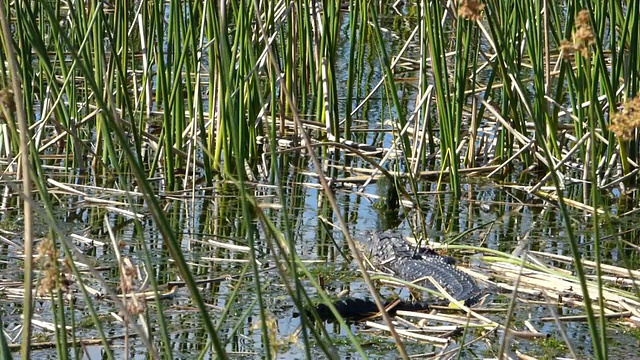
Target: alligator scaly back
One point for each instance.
(390, 252)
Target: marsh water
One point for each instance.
(489, 215)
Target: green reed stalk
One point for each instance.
(278, 178)
(273, 64)
(163, 326)
(595, 202)
(364, 34)
(247, 217)
(73, 148)
(172, 85)
(176, 41)
(233, 296)
(30, 35)
(328, 98)
(119, 28)
(400, 113)
(222, 71)
(192, 58)
(574, 87)
(298, 57)
(466, 59)
(505, 24)
(581, 88)
(598, 347)
(599, 342)
(611, 16)
(277, 246)
(288, 59)
(535, 30)
(168, 235)
(600, 75)
(249, 98)
(119, 79)
(354, 15)
(162, 91)
(99, 67)
(566, 76)
(234, 101)
(215, 133)
(57, 299)
(431, 14)
(424, 82)
(22, 121)
(240, 104)
(156, 210)
(583, 70)
(630, 35)
(43, 191)
(628, 67)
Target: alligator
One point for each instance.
(354, 309)
(391, 253)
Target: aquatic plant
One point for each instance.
(175, 98)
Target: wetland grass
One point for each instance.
(255, 106)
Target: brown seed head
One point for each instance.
(583, 37)
(137, 305)
(47, 255)
(625, 122)
(470, 9)
(129, 274)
